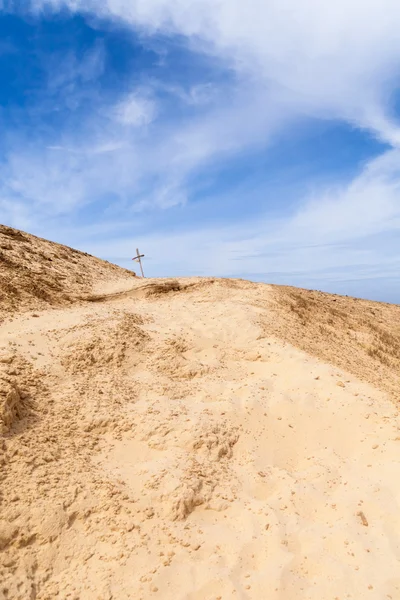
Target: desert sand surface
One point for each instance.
(194, 439)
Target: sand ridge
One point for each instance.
(175, 441)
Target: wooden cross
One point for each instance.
(138, 258)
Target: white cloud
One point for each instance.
(368, 205)
(202, 94)
(324, 59)
(70, 79)
(116, 155)
(332, 59)
(332, 236)
(135, 110)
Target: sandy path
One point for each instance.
(171, 448)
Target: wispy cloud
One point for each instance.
(336, 59)
(137, 109)
(115, 153)
(342, 234)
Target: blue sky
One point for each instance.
(244, 139)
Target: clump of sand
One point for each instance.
(199, 439)
(11, 405)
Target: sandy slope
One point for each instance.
(169, 442)
(36, 273)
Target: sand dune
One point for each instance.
(196, 439)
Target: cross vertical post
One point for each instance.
(138, 258)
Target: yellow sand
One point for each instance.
(167, 443)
